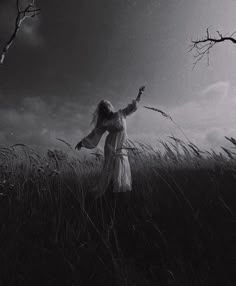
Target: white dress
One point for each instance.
(116, 167)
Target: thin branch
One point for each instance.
(18, 6)
(201, 47)
(30, 11)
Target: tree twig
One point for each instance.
(202, 46)
(30, 11)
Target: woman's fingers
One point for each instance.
(141, 89)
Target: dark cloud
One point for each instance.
(77, 52)
(38, 122)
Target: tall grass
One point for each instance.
(177, 228)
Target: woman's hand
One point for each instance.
(141, 89)
(78, 146)
(140, 92)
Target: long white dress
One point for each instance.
(116, 167)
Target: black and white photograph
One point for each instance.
(117, 142)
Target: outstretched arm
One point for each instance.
(140, 92)
(91, 141)
(132, 107)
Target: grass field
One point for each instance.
(177, 228)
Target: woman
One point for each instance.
(116, 168)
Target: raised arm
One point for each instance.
(91, 141)
(132, 107)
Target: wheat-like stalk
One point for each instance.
(160, 111)
(65, 142)
(166, 115)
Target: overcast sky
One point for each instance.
(79, 51)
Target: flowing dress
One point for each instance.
(116, 167)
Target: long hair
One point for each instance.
(101, 112)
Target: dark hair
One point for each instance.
(101, 112)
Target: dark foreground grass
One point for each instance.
(177, 227)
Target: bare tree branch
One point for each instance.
(30, 11)
(202, 47)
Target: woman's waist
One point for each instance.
(116, 142)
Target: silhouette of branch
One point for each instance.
(30, 11)
(202, 47)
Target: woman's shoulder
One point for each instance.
(114, 115)
(119, 112)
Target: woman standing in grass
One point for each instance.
(116, 167)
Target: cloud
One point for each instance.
(204, 120)
(38, 122)
(217, 91)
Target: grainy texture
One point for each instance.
(177, 228)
